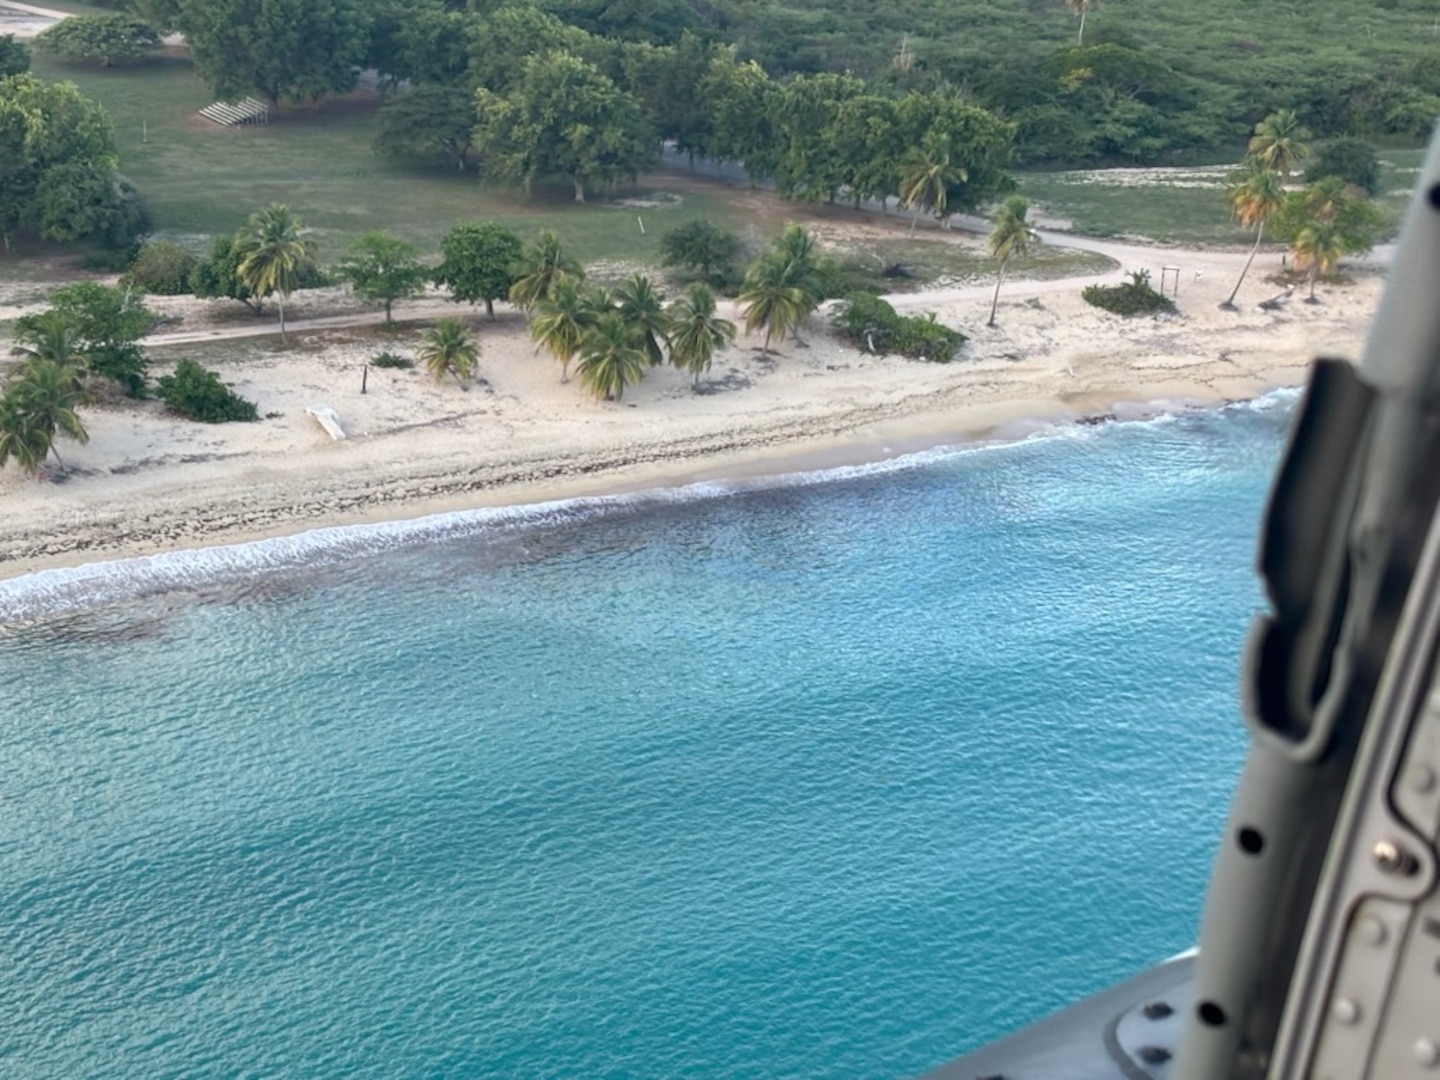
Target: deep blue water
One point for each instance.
(826, 780)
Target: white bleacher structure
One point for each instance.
(245, 111)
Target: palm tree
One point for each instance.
(609, 358)
(1255, 195)
(1318, 246)
(448, 349)
(775, 299)
(39, 403)
(797, 247)
(21, 437)
(49, 336)
(1279, 142)
(542, 265)
(925, 179)
(643, 310)
(1081, 7)
(1010, 237)
(272, 254)
(560, 321)
(695, 331)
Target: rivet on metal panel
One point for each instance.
(1422, 778)
(1391, 857)
(1427, 1052)
(1345, 1011)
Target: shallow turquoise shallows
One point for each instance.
(836, 778)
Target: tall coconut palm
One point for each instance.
(542, 265)
(643, 310)
(695, 330)
(560, 321)
(1082, 8)
(1318, 247)
(1010, 237)
(925, 178)
(609, 358)
(775, 298)
(1255, 195)
(448, 349)
(273, 251)
(1279, 142)
(41, 401)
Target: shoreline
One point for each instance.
(148, 483)
(759, 465)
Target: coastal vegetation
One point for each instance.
(1134, 297)
(872, 324)
(197, 393)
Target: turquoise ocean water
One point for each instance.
(835, 778)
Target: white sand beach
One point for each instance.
(148, 481)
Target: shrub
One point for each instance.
(161, 268)
(1134, 297)
(14, 56)
(1352, 160)
(197, 393)
(701, 247)
(391, 360)
(106, 38)
(871, 323)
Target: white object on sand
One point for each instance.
(329, 420)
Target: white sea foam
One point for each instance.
(48, 592)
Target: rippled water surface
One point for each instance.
(827, 780)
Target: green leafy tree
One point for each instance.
(272, 255)
(927, 174)
(382, 269)
(561, 320)
(14, 56)
(218, 277)
(300, 49)
(1082, 8)
(803, 114)
(542, 265)
(429, 125)
(163, 15)
(1317, 247)
(106, 38)
(478, 262)
(105, 326)
(739, 96)
(696, 332)
(700, 246)
(1352, 160)
(39, 402)
(502, 45)
(57, 166)
(197, 393)
(1256, 195)
(1357, 222)
(609, 359)
(643, 310)
(160, 268)
(564, 118)
(1009, 238)
(448, 349)
(1279, 142)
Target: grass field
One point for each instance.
(200, 180)
(1176, 206)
